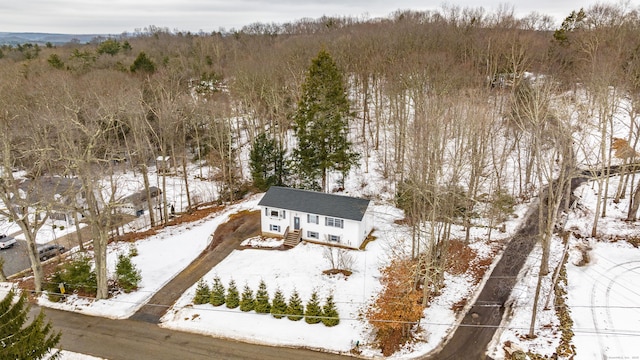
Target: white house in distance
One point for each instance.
(316, 217)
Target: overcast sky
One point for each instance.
(117, 16)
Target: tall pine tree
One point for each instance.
(267, 163)
(18, 341)
(321, 124)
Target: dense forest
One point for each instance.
(464, 112)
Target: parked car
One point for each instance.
(6, 241)
(49, 250)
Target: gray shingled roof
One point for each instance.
(344, 207)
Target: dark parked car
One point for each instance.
(49, 250)
(6, 241)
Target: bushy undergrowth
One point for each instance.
(73, 277)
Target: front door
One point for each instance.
(296, 223)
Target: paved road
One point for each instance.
(471, 338)
(129, 339)
(479, 325)
(15, 258)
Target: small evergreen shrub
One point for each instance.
(262, 305)
(331, 317)
(203, 293)
(217, 296)
(247, 303)
(133, 250)
(278, 305)
(313, 311)
(295, 309)
(76, 276)
(233, 297)
(127, 275)
(53, 287)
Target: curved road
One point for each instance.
(129, 339)
(126, 339)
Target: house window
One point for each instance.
(313, 235)
(313, 219)
(335, 222)
(334, 238)
(279, 214)
(275, 228)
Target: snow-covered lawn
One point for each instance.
(164, 255)
(301, 269)
(298, 269)
(602, 295)
(160, 258)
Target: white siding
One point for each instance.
(352, 233)
(266, 220)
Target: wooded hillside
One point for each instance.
(465, 111)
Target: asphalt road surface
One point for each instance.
(129, 339)
(15, 258)
(481, 322)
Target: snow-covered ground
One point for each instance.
(164, 255)
(603, 294)
(160, 258)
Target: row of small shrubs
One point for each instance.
(78, 277)
(278, 307)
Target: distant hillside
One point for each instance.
(8, 38)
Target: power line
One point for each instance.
(587, 331)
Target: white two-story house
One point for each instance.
(313, 216)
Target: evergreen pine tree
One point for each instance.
(247, 303)
(143, 63)
(267, 164)
(77, 275)
(278, 305)
(217, 296)
(262, 305)
(321, 124)
(233, 297)
(313, 311)
(203, 293)
(127, 275)
(330, 312)
(295, 309)
(18, 341)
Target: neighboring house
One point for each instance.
(136, 204)
(60, 196)
(165, 164)
(313, 216)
